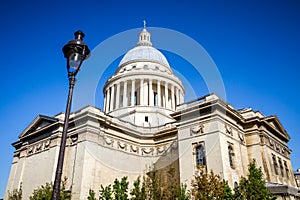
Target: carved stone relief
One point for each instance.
(108, 141)
(38, 147)
(134, 149)
(241, 136)
(147, 151)
(228, 129)
(74, 139)
(197, 129)
(122, 145)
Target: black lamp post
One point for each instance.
(76, 51)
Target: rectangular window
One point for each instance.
(275, 164)
(281, 167)
(200, 155)
(155, 99)
(231, 155)
(135, 98)
(286, 169)
(146, 119)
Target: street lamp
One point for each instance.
(76, 51)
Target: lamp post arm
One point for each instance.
(56, 186)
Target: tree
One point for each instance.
(182, 193)
(16, 194)
(92, 195)
(121, 189)
(45, 191)
(138, 192)
(105, 193)
(154, 185)
(164, 185)
(206, 186)
(253, 187)
(228, 192)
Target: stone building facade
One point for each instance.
(145, 121)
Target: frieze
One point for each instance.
(38, 147)
(131, 148)
(277, 146)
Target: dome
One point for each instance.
(143, 90)
(144, 53)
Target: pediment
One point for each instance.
(40, 122)
(274, 122)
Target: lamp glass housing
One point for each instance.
(75, 60)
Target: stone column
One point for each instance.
(132, 92)
(107, 99)
(112, 98)
(181, 96)
(125, 102)
(166, 95)
(177, 96)
(151, 98)
(172, 97)
(118, 96)
(158, 93)
(146, 94)
(142, 92)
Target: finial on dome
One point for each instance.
(144, 37)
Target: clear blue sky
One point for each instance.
(255, 45)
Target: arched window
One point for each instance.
(235, 185)
(200, 155)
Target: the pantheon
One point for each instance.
(145, 121)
